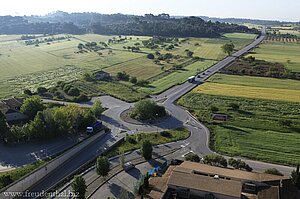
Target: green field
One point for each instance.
(280, 52)
(254, 131)
(255, 81)
(28, 67)
(177, 77)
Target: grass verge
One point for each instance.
(133, 142)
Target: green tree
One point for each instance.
(74, 91)
(27, 92)
(97, 108)
(228, 48)
(102, 166)
(122, 159)
(150, 56)
(296, 177)
(87, 77)
(41, 90)
(147, 109)
(133, 80)
(192, 157)
(37, 127)
(215, 160)
(234, 106)
(147, 150)
(31, 106)
(88, 118)
(273, 171)
(3, 125)
(79, 186)
(5, 180)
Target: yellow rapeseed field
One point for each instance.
(249, 92)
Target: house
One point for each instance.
(194, 180)
(101, 75)
(219, 117)
(11, 109)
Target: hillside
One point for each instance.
(117, 24)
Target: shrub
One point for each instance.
(234, 106)
(133, 80)
(192, 157)
(74, 92)
(214, 109)
(165, 134)
(273, 171)
(27, 92)
(150, 56)
(41, 90)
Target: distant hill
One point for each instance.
(117, 24)
(243, 21)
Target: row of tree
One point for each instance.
(48, 122)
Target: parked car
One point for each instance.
(128, 166)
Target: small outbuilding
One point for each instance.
(219, 117)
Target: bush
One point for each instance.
(142, 83)
(192, 157)
(150, 56)
(147, 109)
(27, 92)
(165, 134)
(130, 139)
(239, 164)
(215, 160)
(41, 90)
(81, 98)
(234, 106)
(285, 122)
(5, 180)
(273, 171)
(123, 76)
(147, 150)
(74, 92)
(133, 80)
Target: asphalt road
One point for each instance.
(198, 141)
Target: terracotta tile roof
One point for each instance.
(191, 167)
(205, 183)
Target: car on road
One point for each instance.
(128, 166)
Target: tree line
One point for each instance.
(48, 121)
(149, 25)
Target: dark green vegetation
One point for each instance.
(273, 171)
(296, 177)
(8, 177)
(192, 157)
(258, 129)
(117, 24)
(228, 48)
(141, 186)
(102, 166)
(147, 110)
(252, 67)
(133, 142)
(215, 160)
(147, 150)
(51, 121)
(239, 164)
(79, 187)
